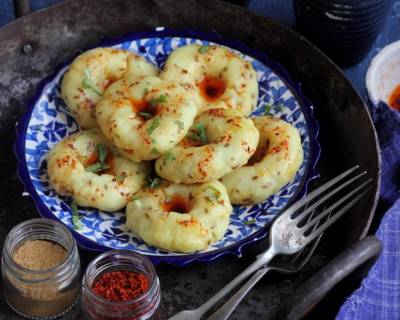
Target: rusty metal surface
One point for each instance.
(33, 46)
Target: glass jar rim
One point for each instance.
(71, 248)
(154, 281)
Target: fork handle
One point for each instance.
(226, 310)
(261, 261)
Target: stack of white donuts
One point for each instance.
(175, 147)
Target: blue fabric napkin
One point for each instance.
(378, 298)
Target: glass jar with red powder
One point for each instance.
(121, 284)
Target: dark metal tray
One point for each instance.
(32, 47)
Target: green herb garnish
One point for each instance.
(120, 178)
(76, 218)
(154, 151)
(180, 124)
(145, 91)
(168, 156)
(252, 221)
(146, 115)
(102, 153)
(87, 82)
(153, 126)
(267, 109)
(153, 182)
(204, 49)
(200, 133)
(97, 167)
(156, 101)
(214, 193)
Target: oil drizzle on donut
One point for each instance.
(211, 88)
(394, 98)
(176, 204)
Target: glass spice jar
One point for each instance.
(41, 294)
(145, 306)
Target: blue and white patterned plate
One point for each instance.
(47, 121)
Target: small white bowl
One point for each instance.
(384, 73)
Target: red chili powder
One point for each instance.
(121, 285)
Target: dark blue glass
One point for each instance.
(344, 29)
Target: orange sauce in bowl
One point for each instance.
(394, 98)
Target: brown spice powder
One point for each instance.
(39, 255)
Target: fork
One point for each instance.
(287, 265)
(288, 233)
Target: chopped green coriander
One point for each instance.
(160, 99)
(153, 126)
(213, 193)
(102, 152)
(120, 178)
(180, 124)
(204, 49)
(145, 91)
(168, 156)
(153, 182)
(97, 167)
(251, 221)
(76, 218)
(87, 82)
(154, 151)
(278, 107)
(146, 115)
(267, 109)
(200, 133)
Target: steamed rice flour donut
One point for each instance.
(145, 118)
(184, 218)
(222, 78)
(277, 159)
(86, 167)
(219, 141)
(92, 72)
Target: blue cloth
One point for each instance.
(379, 294)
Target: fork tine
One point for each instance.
(314, 245)
(334, 205)
(298, 254)
(321, 189)
(329, 222)
(310, 253)
(327, 196)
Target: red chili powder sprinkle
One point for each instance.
(121, 285)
